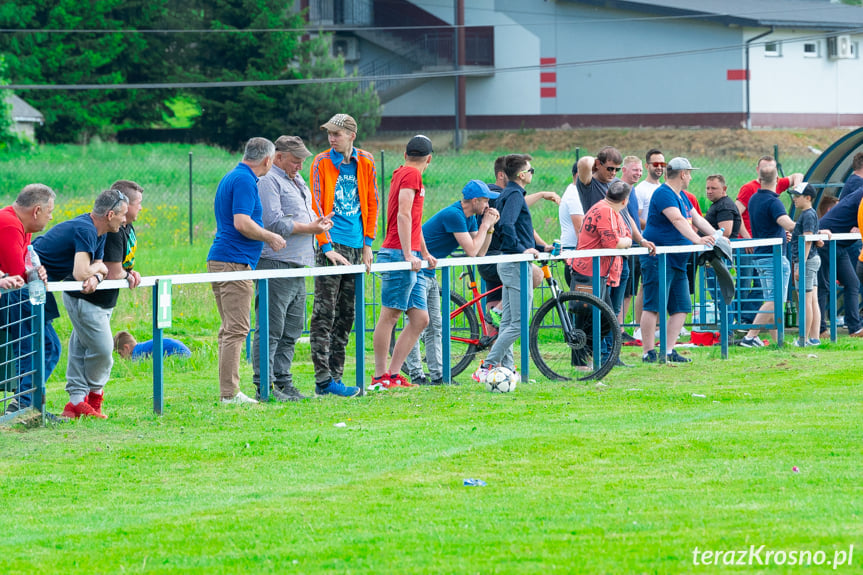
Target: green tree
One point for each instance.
(6, 136)
(47, 57)
(230, 116)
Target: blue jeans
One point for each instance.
(618, 292)
(403, 289)
(431, 336)
(510, 323)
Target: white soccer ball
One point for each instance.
(501, 380)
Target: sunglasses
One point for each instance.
(658, 164)
(121, 197)
(611, 169)
(530, 171)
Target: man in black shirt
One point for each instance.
(723, 213)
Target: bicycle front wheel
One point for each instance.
(562, 337)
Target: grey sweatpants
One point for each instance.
(90, 347)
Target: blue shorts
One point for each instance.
(765, 272)
(677, 284)
(401, 289)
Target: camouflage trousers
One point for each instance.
(332, 316)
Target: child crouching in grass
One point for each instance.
(128, 347)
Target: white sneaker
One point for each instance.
(637, 334)
(240, 398)
(683, 332)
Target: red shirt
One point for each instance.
(602, 229)
(405, 177)
(13, 243)
(748, 190)
(694, 203)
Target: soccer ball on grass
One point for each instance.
(501, 380)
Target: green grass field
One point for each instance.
(629, 475)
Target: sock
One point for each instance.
(76, 398)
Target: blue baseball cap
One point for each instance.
(478, 189)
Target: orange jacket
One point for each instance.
(323, 179)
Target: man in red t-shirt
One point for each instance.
(30, 213)
(403, 291)
(748, 190)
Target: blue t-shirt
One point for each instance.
(632, 207)
(659, 228)
(440, 229)
(57, 249)
(347, 216)
(764, 209)
(237, 194)
(169, 346)
(843, 216)
(852, 184)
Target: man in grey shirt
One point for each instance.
(287, 211)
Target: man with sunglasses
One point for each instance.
(73, 251)
(655, 167)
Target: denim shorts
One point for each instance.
(677, 284)
(765, 273)
(403, 289)
(813, 264)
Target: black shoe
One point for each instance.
(436, 382)
(675, 357)
(287, 392)
(626, 338)
(421, 380)
(649, 357)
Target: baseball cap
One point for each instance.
(293, 145)
(419, 146)
(341, 122)
(803, 189)
(680, 164)
(478, 189)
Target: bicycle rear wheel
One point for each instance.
(562, 347)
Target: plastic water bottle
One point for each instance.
(718, 233)
(35, 286)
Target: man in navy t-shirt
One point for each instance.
(452, 227)
(768, 219)
(240, 237)
(841, 219)
(73, 250)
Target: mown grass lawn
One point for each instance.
(624, 477)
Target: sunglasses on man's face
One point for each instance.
(658, 164)
(612, 169)
(529, 171)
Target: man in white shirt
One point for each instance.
(655, 166)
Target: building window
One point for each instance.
(810, 49)
(772, 49)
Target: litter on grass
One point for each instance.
(474, 483)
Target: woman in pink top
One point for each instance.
(604, 228)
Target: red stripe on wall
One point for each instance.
(548, 92)
(547, 62)
(548, 77)
(737, 75)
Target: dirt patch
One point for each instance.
(720, 142)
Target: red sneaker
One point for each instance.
(380, 382)
(399, 380)
(95, 401)
(83, 409)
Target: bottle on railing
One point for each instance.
(35, 285)
(718, 233)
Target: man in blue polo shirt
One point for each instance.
(240, 237)
(453, 226)
(768, 219)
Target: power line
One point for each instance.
(407, 76)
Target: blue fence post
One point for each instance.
(158, 357)
(722, 310)
(663, 306)
(263, 327)
(596, 286)
(446, 347)
(526, 283)
(360, 329)
(778, 296)
(801, 293)
(38, 377)
(832, 289)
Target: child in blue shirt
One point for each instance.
(128, 347)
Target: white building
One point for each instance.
(549, 63)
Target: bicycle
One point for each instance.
(561, 332)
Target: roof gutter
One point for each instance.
(748, 109)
